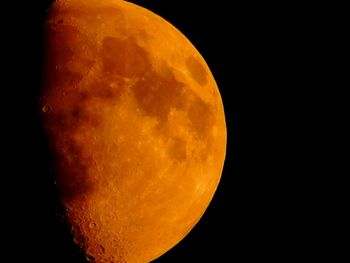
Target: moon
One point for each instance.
(136, 125)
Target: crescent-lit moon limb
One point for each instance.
(136, 123)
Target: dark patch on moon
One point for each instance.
(158, 92)
(72, 167)
(64, 77)
(156, 95)
(64, 47)
(109, 89)
(197, 70)
(84, 96)
(62, 44)
(72, 120)
(124, 57)
(201, 116)
(177, 149)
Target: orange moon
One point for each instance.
(136, 124)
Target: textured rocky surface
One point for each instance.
(137, 126)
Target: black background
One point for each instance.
(259, 55)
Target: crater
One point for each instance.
(197, 70)
(124, 57)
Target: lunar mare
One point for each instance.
(136, 124)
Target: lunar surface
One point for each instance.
(136, 125)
